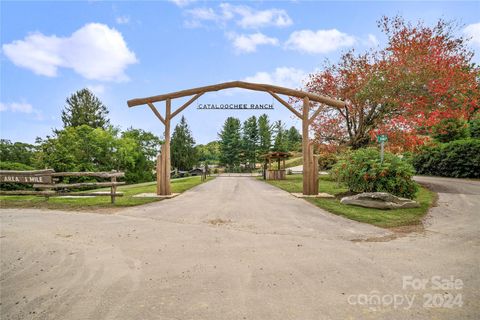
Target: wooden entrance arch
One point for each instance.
(310, 169)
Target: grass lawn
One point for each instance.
(293, 162)
(178, 186)
(380, 218)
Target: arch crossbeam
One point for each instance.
(238, 84)
(310, 164)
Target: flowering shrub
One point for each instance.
(362, 171)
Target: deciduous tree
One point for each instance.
(18, 152)
(423, 75)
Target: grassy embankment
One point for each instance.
(178, 186)
(380, 218)
(293, 162)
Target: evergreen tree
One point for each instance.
(294, 139)
(281, 142)
(230, 143)
(182, 146)
(250, 141)
(83, 107)
(265, 134)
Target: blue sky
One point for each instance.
(124, 50)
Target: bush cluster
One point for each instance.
(327, 160)
(457, 159)
(450, 129)
(474, 128)
(362, 171)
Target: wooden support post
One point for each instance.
(305, 140)
(163, 160)
(159, 172)
(113, 189)
(315, 173)
(168, 117)
(310, 183)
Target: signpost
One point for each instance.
(47, 180)
(27, 177)
(382, 138)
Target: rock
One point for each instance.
(379, 200)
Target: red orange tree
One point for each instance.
(423, 75)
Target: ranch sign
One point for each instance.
(235, 106)
(35, 177)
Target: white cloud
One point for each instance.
(247, 43)
(251, 18)
(94, 51)
(202, 14)
(182, 3)
(282, 76)
(97, 89)
(372, 40)
(21, 107)
(320, 41)
(122, 19)
(473, 31)
(244, 16)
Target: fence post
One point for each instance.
(113, 188)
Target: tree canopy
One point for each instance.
(84, 108)
(423, 75)
(265, 134)
(183, 151)
(230, 143)
(250, 140)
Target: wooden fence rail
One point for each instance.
(44, 179)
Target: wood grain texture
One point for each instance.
(242, 85)
(186, 104)
(155, 111)
(286, 104)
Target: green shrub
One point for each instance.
(457, 159)
(474, 128)
(362, 171)
(7, 165)
(450, 129)
(327, 160)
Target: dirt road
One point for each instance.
(236, 248)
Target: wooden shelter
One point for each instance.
(272, 173)
(310, 174)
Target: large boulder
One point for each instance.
(379, 200)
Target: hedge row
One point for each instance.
(457, 159)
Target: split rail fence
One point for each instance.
(48, 183)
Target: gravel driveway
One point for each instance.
(237, 248)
